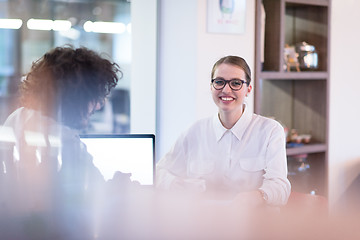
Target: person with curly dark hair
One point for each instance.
(49, 184)
(68, 84)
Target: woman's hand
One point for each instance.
(251, 199)
(192, 185)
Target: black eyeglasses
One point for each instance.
(235, 84)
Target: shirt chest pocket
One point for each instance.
(247, 174)
(252, 165)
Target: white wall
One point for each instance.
(344, 131)
(177, 70)
(211, 47)
(143, 66)
(187, 53)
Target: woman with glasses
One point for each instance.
(235, 153)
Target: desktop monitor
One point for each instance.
(127, 153)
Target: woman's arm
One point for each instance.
(276, 186)
(171, 171)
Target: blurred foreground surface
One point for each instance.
(135, 212)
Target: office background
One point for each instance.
(171, 58)
(179, 106)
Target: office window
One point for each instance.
(101, 25)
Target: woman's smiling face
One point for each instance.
(227, 99)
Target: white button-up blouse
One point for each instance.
(249, 156)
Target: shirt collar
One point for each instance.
(241, 125)
(238, 129)
(218, 127)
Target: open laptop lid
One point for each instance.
(127, 153)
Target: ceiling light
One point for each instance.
(46, 24)
(104, 27)
(39, 24)
(61, 25)
(10, 23)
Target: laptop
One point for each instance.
(127, 153)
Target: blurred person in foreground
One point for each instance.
(49, 186)
(234, 154)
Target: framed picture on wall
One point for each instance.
(226, 16)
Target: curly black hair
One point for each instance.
(63, 82)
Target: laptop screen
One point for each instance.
(127, 153)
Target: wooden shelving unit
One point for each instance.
(299, 100)
(306, 149)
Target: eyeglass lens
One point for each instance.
(234, 84)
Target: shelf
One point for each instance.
(309, 148)
(294, 75)
(299, 100)
(310, 2)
